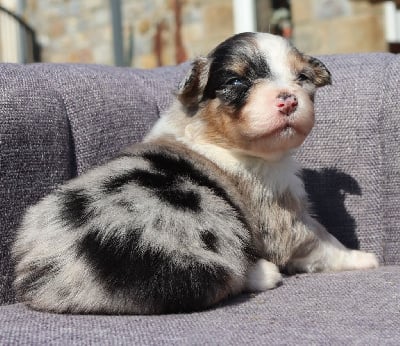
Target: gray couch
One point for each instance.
(56, 121)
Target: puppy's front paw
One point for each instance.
(362, 260)
(263, 276)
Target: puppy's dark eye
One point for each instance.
(235, 82)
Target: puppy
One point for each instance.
(210, 205)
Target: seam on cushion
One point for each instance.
(360, 144)
(53, 88)
(381, 231)
(384, 168)
(71, 140)
(160, 102)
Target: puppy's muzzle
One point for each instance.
(286, 103)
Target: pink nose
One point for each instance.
(286, 103)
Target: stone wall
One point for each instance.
(157, 36)
(81, 31)
(72, 30)
(354, 26)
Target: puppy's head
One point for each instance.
(253, 93)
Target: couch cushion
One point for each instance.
(339, 308)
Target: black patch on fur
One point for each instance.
(185, 200)
(209, 240)
(150, 276)
(180, 167)
(144, 178)
(240, 50)
(170, 171)
(75, 207)
(165, 186)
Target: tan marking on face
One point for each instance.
(238, 67)
(221, 124)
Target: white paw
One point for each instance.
(263, 276)
(362, 260)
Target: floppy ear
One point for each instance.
(321, 73)
(192, 87)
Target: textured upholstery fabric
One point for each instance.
(109, 108)
(58, 120)
(353, 308)
(390, 134)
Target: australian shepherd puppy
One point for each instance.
(209, 205)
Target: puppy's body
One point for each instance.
(209, 206)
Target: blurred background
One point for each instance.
(150, 33)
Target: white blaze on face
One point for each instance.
(269, 131)
(277, 52)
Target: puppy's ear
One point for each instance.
(321, 73)
(192, 87)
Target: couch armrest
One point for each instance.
(35, 151)
(57, 120)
